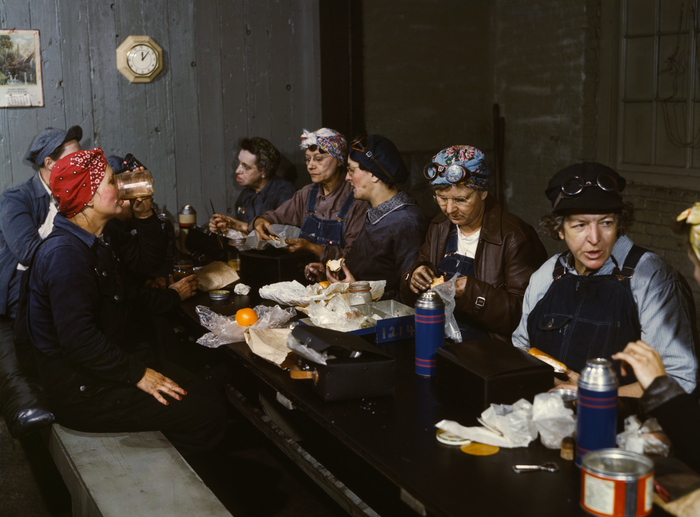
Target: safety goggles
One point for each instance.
(360, 145)
(574, 185)
(454, 173)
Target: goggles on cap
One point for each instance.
(360, 145)
(454, 173)
(574, 185)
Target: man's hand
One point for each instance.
(333, 277)
(421, 279)
(644, 360)
(315, 272)
(154, 384)
(141, 207)
(186, 287)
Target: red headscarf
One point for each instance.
(75, 179)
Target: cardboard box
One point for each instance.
(479, 373)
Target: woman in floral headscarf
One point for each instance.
(326, 211)
(492, 252)
(97, 374)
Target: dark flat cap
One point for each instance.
(50, 139)
(599, 189)
(379, 155)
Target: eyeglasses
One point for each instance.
(574, 185)
(454, 173)
(360, 145)
(459, 201)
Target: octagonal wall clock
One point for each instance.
(139, 59)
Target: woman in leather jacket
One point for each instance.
(492, 252)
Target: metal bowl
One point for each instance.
(220, 294)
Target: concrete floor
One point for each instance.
(249, 475)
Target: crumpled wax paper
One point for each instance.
(293, 293)
(514, 423)
(270, 344)
(647, 438)
(337, 314)
(553, 420)
(225, 329)
(282, 231)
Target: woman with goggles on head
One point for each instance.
(326, 211)
(493, 252)
(604, 291)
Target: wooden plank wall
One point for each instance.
(233, 68)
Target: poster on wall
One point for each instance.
(20, 69)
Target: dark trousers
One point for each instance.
(193, 425)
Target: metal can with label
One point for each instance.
(187, 218)
(430, 331)
(596, 420)
(617, 483)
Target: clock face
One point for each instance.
(142, 59)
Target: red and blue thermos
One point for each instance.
(430, 331)
(596, 419)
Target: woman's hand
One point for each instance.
(644, 360)
(295, 245)
(315, 272)
(421, 279)
(262, 228)
(218, 223)
(569, 384)
(460, 286)
(141, 207)
(333, 278)
(154, 384)
(186, 287)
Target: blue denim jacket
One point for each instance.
(77, 315)
(23, 209)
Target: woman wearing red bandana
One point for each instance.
(98, 375)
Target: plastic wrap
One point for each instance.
(225, 330)
(553, 419)
(446, 290)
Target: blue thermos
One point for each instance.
(596, 420)
(430, 331)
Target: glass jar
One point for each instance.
(182, 269)
(359, 293)
(234, 258)
(134, 184)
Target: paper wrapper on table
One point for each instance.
(215, 276)
(295, 294)
(353, 368)
(508, 426)
(486, 371)
(270, 344)
(554, 421)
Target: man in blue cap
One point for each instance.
(27, 211)
(394, 226)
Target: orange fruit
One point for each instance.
(246, 317)
(324, 283)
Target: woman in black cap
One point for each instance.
(394, 226)
(605, 291)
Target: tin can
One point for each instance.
(596, 420)
(430, 331)
(187, 218)
(617, 483)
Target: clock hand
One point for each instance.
(143, 56)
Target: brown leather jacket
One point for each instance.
(508, 253)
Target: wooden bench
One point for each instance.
(119, 474)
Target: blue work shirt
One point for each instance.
(251, 204)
